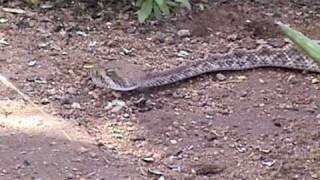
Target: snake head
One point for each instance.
(105, 77)
(102, 77)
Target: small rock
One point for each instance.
(268, 163)
(75, 169)
(155, 172)
(45, 101)
(173, 141)
(242, 77)
(244, 94)
(53, 143)
(318, 116)
(211, 137)
(209, 116)
(261, 81)
(184, 33)
(148, 159)
(83, 150)
(183, 53)
(125, 51)
(43, 45)
(126, 115)
(315, 81)
(32, 63)
(221, 77)
(80, 33)
(3, 20)
(76, 105)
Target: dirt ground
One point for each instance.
(258, 124)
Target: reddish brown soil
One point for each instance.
(259, 124)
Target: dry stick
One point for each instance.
(7, 83)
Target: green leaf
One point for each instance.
(310, 47)
(156, 11)
(171, 3)
(185, 3)
(145, 10)
(160, 2)
(163, 6)
(139, 3)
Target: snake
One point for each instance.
(262, 57)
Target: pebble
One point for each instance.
(76, 105)
(32, 63)
(318, 116)
(184, 33)
(244, 94)
(242, 77)
(221, 77)
(148, 159)
(261, 81)
(53, 143)
(315, 81)
(83, 150)
(126, 115)
(43, 45)
(209, 117)
(173, 141)
(45, 101)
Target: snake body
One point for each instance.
(288, 58)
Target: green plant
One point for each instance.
(309, 46)
(157, 8)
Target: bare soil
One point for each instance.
(258, 124)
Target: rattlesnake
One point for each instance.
(264, 56)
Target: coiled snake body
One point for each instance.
(288, 58)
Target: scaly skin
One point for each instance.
(241, 60)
